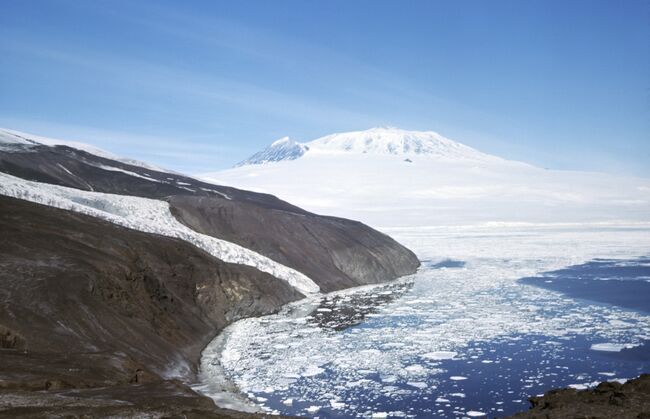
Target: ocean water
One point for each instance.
(623, 283)
(488, 321)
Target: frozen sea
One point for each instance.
(496, 314)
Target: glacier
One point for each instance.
(149, 216)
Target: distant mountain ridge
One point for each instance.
(381, 141)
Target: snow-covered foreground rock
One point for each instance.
(388, 177)
(429, 352)
(150, 216)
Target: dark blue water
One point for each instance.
(499, 378)
(619, 283)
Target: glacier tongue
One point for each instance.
(149, 216)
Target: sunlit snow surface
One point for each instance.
(459, 338)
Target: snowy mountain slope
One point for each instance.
(282, 149)
(149, 216)
(395, 141)
(383, 141)
(390, 177)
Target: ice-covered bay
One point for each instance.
(459, 338)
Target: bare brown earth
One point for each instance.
(99, 320)
(609, 400)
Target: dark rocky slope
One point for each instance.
(608, 400)
(98, 319)
(67, 166)
(336, 253)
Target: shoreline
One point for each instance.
(211, 378)
(223, 392)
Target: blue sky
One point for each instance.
(199, 85)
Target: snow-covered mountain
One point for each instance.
(383, 141)
(393, 177)
(282, 149)
(398, 142)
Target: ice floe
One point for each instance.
(612, 347)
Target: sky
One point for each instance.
(199, 85)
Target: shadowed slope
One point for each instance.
(89, 304)
(336, 253)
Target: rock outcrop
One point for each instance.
(630, 400)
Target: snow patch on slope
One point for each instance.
(128, 172)
(149, 216)
(7, 137)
